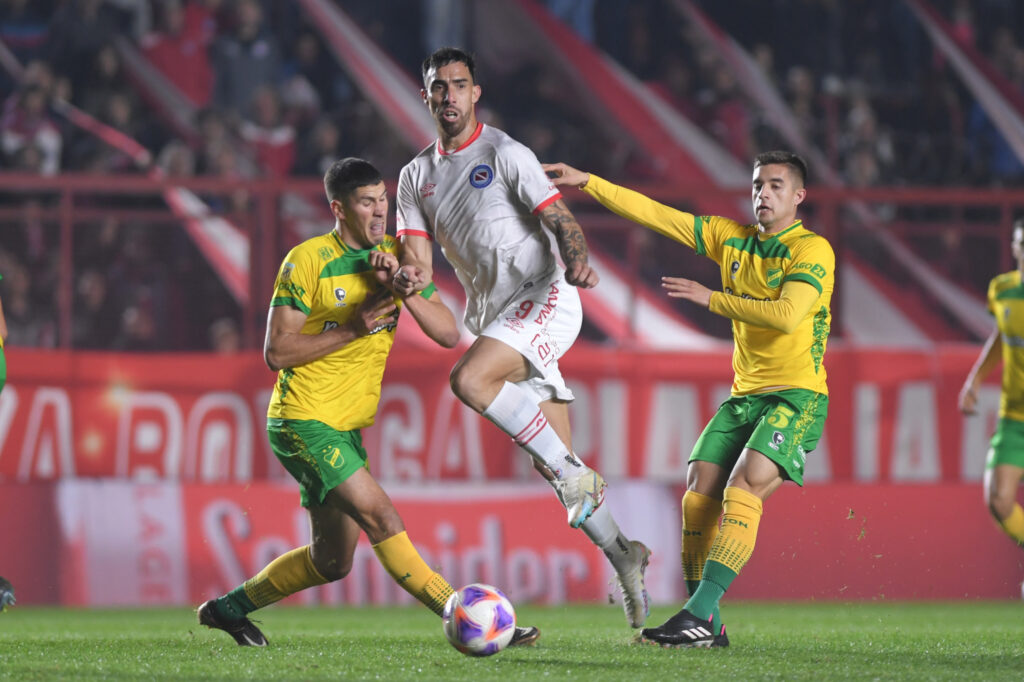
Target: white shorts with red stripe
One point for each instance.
(542, 323)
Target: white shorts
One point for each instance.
(541, 323)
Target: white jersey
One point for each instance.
(481, 204)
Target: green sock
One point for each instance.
(716, 580)
(716, 617)
(235, 605)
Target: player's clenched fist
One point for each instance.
(409, 279)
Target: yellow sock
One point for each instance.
(735, 542)
(700, 528)
(409, 570)
(287, 574)
(1013, 525)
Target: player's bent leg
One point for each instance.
(1001, 484)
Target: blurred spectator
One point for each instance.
(225, 336)
(861, 135)
(272, 138)
(244, 60)
(179, 51)
(138, 330)
(78, 30)
(29, 321)
(96, 315)
(725, 114)
(311, 62)
(106, 80)
(322, 148)
(24, 27)
(177, 160)
(28, 124)
(96, 154)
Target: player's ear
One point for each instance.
(799, 196)
(423, 95)
(476, 93)
(337, 210)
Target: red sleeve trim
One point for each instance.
(402, 231)
(547, 202)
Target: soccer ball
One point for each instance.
(479, 620)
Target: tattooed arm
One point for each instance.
(571, 244)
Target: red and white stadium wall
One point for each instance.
(128, 479)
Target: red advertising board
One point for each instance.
(194, 417)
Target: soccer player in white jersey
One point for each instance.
(485, 199)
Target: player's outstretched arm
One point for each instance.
(572, 245)
(990, 355)
(783, 314)
(286, 346)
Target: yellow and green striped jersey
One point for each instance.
(1006, 303)
(753, 265)
(327, 279)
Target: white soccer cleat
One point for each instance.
(581, 495)
(635, 601)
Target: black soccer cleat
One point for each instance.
(525, 637)
(244, 632)
(685, 630)
(721, 639)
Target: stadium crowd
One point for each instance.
(267, 99)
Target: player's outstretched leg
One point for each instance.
(243, 631)
(635, 601)
(628, 557)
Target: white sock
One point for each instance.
(604, 532)
(514, 412)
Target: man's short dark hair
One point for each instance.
(798, 165)
(448, 55)
(347, 175)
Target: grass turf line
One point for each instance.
(816, 641)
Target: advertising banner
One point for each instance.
(892, 418)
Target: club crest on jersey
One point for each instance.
(481, 176)
(340, 294)
(773, 277)
(427, 190)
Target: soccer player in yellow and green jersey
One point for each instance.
(777, 282)
(1004, 466)
(330, 328)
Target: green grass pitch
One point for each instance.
(816, 641)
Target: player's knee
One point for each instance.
(1000, 505)
(382, 524)
(334, 567)
(464, 384)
